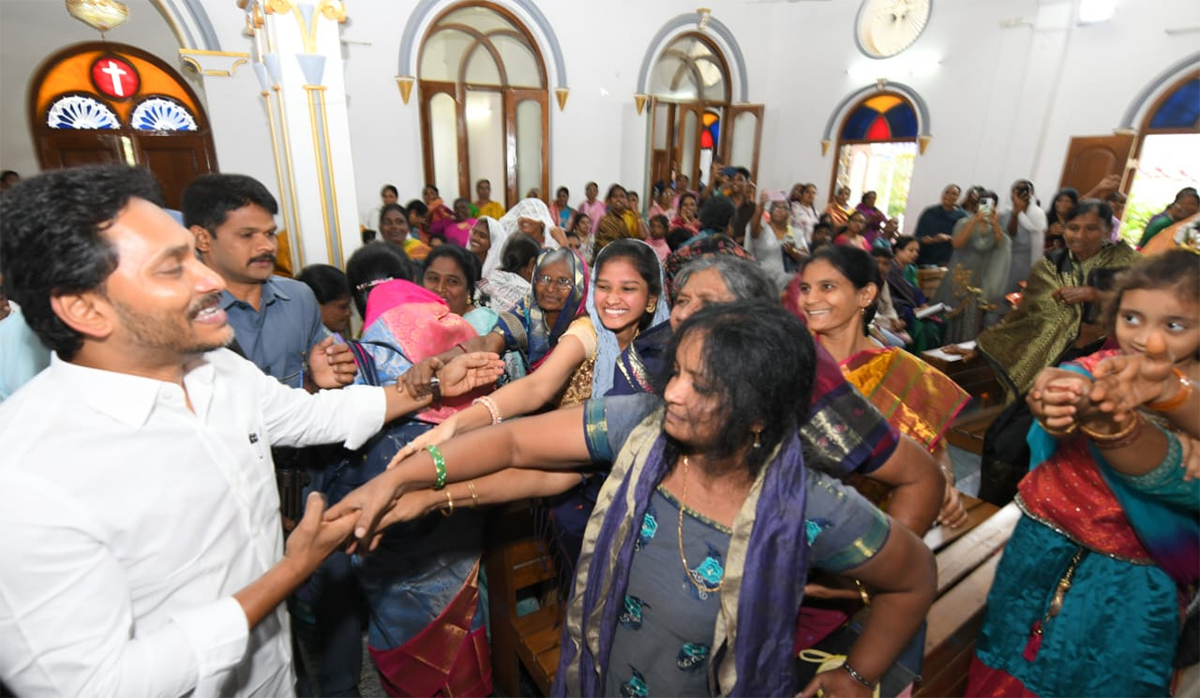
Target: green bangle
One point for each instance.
(439, 464)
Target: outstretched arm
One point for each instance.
(552, 441)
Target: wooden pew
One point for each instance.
(519, 565)
(966, 563)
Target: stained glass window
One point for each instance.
(885, 117)
(1181, 110)
(710, 134)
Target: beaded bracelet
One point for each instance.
(857, 676)
(439, 465)
(1181, 397)
(492, 408)
(1120, 439)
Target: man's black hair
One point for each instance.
(210, 198)
(53, 242)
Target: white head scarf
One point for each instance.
(495, 253)
(534, 209)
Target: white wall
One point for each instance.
(1004, 100)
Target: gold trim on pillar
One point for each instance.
(639, 101)
(316, 94)
(190, 58)
(285, 196)
(405, 83)
(824, 148)
(334, 10)
(561, 93)
(923, 143)
(291, 172)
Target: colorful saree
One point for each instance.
(1041, 329)
(766, 565)
(1126, 558)
(913, 396)
(425, 623)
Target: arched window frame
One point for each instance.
(674, 113)
(917, 139)
(154, 149)
(511, 98)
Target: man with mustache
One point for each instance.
(277, 320)
(141, 551)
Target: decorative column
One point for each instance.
(299, 67)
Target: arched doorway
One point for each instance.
(484, 103)
(105, 102)
(694, 121)
(877, 150)
(1166, 152)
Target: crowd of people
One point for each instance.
(717, 402)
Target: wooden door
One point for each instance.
(741, 136)
(517, 101)
(62, 148)
(175, 160)
(1092, 158)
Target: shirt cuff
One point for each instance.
(218, 633)
(365, 409)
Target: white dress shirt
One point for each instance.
(130, 522)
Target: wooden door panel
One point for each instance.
(1092, 158)
(75, 148)
(175, 160)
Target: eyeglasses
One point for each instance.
(562, 281)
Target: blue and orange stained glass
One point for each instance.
(1181, 109)
(710, 124)
(881, 118)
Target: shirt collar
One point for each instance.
(271, 291)
(131, 399)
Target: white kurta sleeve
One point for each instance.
(66, 618)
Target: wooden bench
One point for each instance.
(966, 564)
(519, 566)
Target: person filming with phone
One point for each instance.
(1025, 224)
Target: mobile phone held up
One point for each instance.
(985, 207)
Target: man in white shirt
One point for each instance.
(141, 551)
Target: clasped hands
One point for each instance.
(1064, 400)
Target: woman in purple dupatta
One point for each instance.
(694, 566)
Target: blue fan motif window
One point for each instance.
(160, 114)
(82, 113)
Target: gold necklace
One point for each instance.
(693, 577)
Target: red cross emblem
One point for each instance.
(115, 78)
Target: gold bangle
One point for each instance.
(1111, 440)
(1059, 433)
(1181, 397)
(474, 494)
(450, 504)
(862, 591)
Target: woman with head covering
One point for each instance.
(708, 606)
(532, 217)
